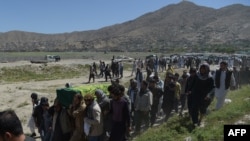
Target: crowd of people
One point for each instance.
(103, 117)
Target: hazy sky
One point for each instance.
(60, 16)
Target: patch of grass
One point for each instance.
(28, 73)
(17, 56)
(177, 129)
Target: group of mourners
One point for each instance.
(113, 116)
(108, 71)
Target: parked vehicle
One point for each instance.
(52, 58)
(47, 59)
(123, 58)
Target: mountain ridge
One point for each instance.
(184, 24)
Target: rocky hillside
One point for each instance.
(178, 25)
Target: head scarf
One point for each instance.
(206, 74)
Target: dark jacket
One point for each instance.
(227, 80)
(38, 115)
(140, 75)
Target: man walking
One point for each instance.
(223, 79)
(143, 103)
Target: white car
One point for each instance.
(123, 58)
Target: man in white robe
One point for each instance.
(223, 78)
